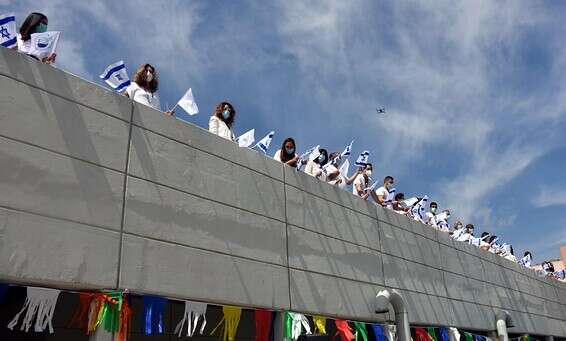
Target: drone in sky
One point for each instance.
(380, 110)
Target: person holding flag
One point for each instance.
(222, 120)
(35, 23)
(362, 180)
(287, 154)
(382, 193)
(144, 87)
(314, 166)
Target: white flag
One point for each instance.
(116, 76)
(363, 159)
(44, 44)
(305, 156)
(8, 30)
(187, 102)
(246, 139)
(264, 143)
(344, 169)
(314, 154)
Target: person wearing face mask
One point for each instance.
(222, 121)
(398, 206)
(467, 235)
(314, 167)
(381, 194)
(441, 221)
(287, 153)
(431, 214)
(144, 87)
(331, 171)
(34, 23)
(361, 182)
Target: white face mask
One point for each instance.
(368, 172)
(149, 76)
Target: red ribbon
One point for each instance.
(80, 316)
(125, 320)
(262, 324)
(422, 335)
(344, 330)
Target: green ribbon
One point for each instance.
(111, 318)
(287, 330)
(468, 336)
(431, 331)
(360, 328)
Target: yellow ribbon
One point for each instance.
(231, 320)
(319, 324)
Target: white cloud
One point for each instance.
(549, 197)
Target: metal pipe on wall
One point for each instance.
(502, 322)
(386, 297)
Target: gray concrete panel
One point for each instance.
(167, 162)
(323, 216)
(428, 310)
(63, 84)
(466, 289)
(533, 305)
(170, 270)
(459, 262)
(39, 181)
(334, 297)
(408, 245)
(418, 228)
(507, 299)
(403, 274)
(524, 323)
(472, 316)
(40, 250)
(495, 274)
(311, 251)
(163, 213)
(202, 139)
(332, 193)
(48, 121)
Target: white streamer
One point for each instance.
(192, 314)
(40, 304)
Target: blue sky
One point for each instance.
(475, 91)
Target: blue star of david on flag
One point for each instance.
(8, 30)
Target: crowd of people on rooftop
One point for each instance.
(318, 163)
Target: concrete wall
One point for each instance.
(99, 192)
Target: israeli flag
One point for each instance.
(475, 241)
(187, 102)
(264, 143)
(44, 44)
(390, 196)
(418, 210)
(442, 221)
(362, 160)
(344, 168)
(306, 156)
(8, 32)
(116, 76)
(458, 233)
(246, 139)
(526, 261)
(347, 151)
(372, 187)
(409, 202)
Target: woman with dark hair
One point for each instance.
(143, 88)
(314, 167)
(222, 120)
(34, 23)
(287, 153)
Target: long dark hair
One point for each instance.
(220, 108)
(30, 24)
(322, 151)
(284, 156)
(140, 77)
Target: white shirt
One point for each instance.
(430, 218)
(465, 237)
(312, 168)
(140, 95)
(277, 155)
(220, 128)
(359, 180)
(382, 191)
(23, 46)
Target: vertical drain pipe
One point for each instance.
(502, 322)
(393, 297)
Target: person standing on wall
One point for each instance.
(144, 87)
(222, 121)
(34, 23)
(287, 154)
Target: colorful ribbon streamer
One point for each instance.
(378, 332)
(81, 315)
(39, 305)
(422, 335)
(193, 312)
(319, 324)
(432, 332)
(153, 308)
(229, 323)
(344, 330)
(293, 325)
(444, 335)
(125, 319)
(454, 334)
(360, 329)
(468, 336)
(262, 324)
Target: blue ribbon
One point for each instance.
(444, 335)
(153, 308)
(3, 289)
(478, 338)
(378, 332)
